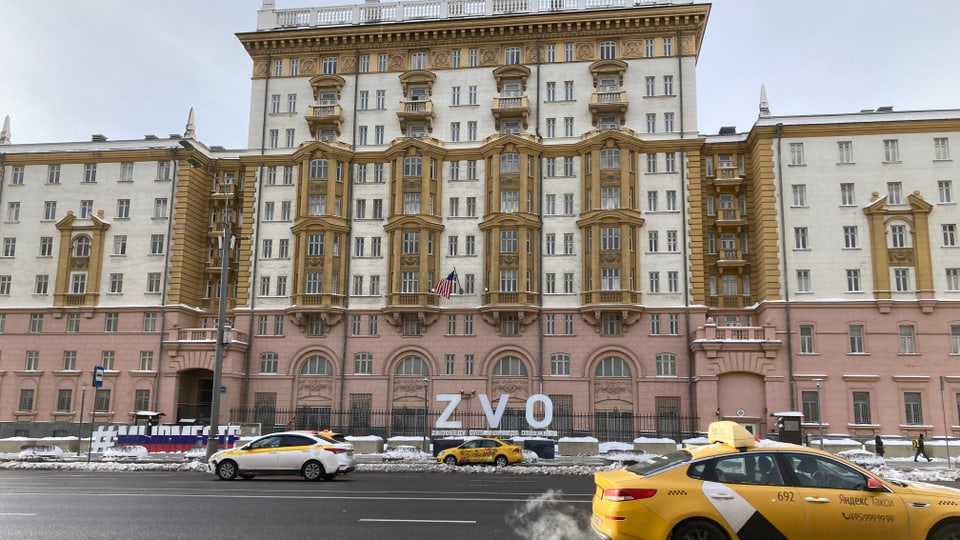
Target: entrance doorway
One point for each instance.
(195, 395)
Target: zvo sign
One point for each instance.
(493, 417)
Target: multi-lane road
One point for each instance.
(364, 505)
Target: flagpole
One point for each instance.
(456, 276)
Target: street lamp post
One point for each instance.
(426, 427)
(213, 438)
(819, 415)
(83, 399)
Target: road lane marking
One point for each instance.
(420, 521)
(302, 496)
(15, 514)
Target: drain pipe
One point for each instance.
(163, 288)
(786, 274)
(349, 243)
(540, 346)
(691, 388)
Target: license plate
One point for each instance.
(595, 520)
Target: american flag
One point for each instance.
(445, 286)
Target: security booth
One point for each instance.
(151, 419)
(788, 426)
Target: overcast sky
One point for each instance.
(126, 69)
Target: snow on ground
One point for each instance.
(900, 469)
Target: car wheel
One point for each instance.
(501, 461)
(697, 530)
(450, 460)
(313, 470)
(950, 531)
(246, 476)
(227, 470)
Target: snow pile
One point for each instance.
(406, 454)
(41, 452)
(863, 458)
(125, 452)
(548, 517)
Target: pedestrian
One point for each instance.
(921, 450)
(878, 445)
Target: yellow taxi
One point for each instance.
(490, 450)
(740, 488)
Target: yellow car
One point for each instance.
(493, 451)
(738, 488)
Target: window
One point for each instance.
(898, 236)
(955, 339)
(667, 46)
(855, 333)
(156, 244)
(847, 197)
(13, 211)
(116, 283)
(845, 152)
(511, 55)
(913, 408)
(611, 324)
(941, 149)
(149, 322)
(330, 65)
(653, 241)
(891, 151)
(316, 365)
(861, 408)
(800, 238)
(949, 234)
(153, 282)
(803, 281)
(26, 399)
(853, 280)
(901, 280)
(668, 122)
(612, 366)
(89, 173)
(666, 365)
(382, 62)
(945, 190)
(796, 154)
(953, 279)
(559, 364)
(568, 244)
(568, 91)
(806, 339)
(907, 339)
(608, 50)
(16, 178)
(160, 208)
(64, 399)
(568, 52)
(811, 405)
(141, 400)
(69, 360)
(799, 195)
(651, 123)
(101, 400)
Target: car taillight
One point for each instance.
(628, 494)
(337, 450)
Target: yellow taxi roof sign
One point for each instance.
(731, 434)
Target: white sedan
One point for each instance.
(301, 453)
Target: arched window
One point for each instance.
(510, 366)
(666, 365)
(899, 235)
(612, 366)
(81, 247)
(412, 365)
(268, 362)
(316, 365)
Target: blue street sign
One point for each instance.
(223, 389)
(97, 376)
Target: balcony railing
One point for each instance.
(397, 12)
(712, 332)
(201, 335)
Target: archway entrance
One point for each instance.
(194, 395)
(741, 398)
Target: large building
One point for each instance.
(467, 199)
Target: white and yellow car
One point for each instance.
(739, 488)
(304, 453)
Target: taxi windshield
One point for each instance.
(660, 463)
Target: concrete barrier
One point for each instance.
(580, 446)
(658, 448)
(366, 445)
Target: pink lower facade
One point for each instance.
(743, 373)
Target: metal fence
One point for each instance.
(604, 425)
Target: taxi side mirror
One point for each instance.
(874, 485)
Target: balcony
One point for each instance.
(511, 108)
(202, 335)
(730, 218)
(605, 103)
(730, 258)
(611, 297)
(416, 111)
(324, 116)
(335, 300)
(510, 298)
(715, 340)
(728, 178)
(731, 301)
